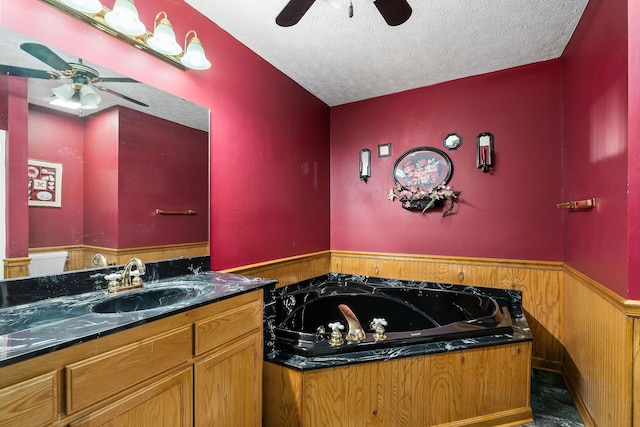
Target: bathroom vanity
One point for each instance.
(196, 362)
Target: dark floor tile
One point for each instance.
(551, 403)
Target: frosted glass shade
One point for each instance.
(124, 18)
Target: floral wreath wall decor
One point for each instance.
(421, 176)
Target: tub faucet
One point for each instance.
(128, 278)
(99, 260)
(356, 333)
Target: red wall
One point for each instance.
(17, 218)
(595, 152)
(269, 137)
(634, 148)
(162, 165)
(57, 138)
(507, 213)
(101, 167)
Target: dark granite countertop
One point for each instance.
(58, 321)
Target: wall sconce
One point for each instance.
(365, 164)
(484, 153)
(123, 22)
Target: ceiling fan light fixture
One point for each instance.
(64, 92)
(124, 18)
(85, 6)
(72, 103)
(88, 97)
(164, 38)
(194, 56)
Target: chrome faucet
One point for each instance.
(129, 278)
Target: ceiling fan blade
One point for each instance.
(293, 12)
(394, 12)
(118, 80)
(45, 55)
(113, 92)
(28, 72)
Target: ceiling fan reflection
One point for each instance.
(83, 78)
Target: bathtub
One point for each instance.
(451, 354)
(412, 313)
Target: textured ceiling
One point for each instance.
(341, 59)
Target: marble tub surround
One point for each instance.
(283, 299)
(28, 330)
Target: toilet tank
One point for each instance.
(47, 263)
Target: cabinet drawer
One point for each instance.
(32, 402)
(232, 324)
(99, 377)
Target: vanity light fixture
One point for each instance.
(86, 6)
(365, 164)
(124, 23)
(164, 39)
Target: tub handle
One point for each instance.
(336, 335)
(377, 325)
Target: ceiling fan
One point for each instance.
(394, 12)
(81, 76)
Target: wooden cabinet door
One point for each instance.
(32, 402)
(228, 385)
(165, 403)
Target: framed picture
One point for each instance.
(45, 183)
(384, 150)
(422, 167)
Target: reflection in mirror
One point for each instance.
(453, 141)
(131, 155)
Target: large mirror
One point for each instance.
(127, 175)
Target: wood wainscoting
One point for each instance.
(600, 337)
(289, 270)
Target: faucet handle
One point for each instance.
(336, 326)
(113, 281)
(378, 321)
(378, 325)
(336, 336)
(113, 276)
